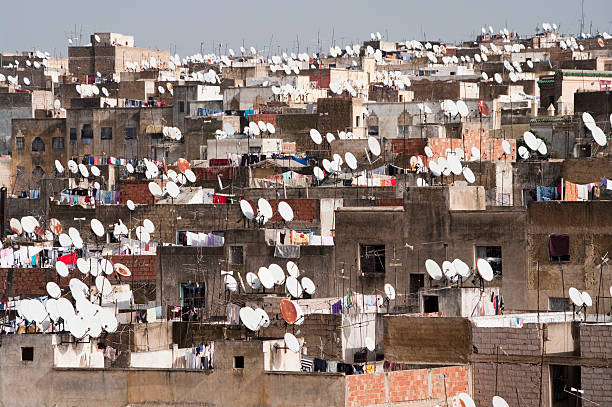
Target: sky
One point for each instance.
(188, 26)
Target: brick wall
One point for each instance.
(138, 192)
(32, 282)
(513, 341)
(510, 377)
(418, 385)
(490, 149)
(596, 342)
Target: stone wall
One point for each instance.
(596, 342)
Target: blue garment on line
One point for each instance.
(547, 193)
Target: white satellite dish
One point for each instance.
(468, 174)
(264, 208)
(530, 140)
(293, 269)
(374, 146)
(506, 147)
(97, 227)
(130, 205)
(484, 269)
(53, 290)
(253, 281)
(285, 211)
(318, 173)
(173, 189)
(316, 136)
(247, 209)
(266, 278)
(433, 269)
(308, 285)
(576, 297)
(294, 287)
(292, 343)
(370, 344)
(499, 402)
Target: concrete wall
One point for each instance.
(162, 387)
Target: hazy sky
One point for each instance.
(188, 24)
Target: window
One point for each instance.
(559, 248)
(492, 254)
(193, 295)
(181, 107)
(238, 362)
(20, 143)
(27, 354)
(430, 304)
(417, 281)
(87, 132)
(235, 255)
(356, 121)
(403, 130)
(73, 133)
(106, 133)
(58, 143)
(558, 304)
(130, 133)
(372, 259)
(38, 145)
(372, 130)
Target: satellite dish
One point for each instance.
(247, 209)
(285, 211)
(530, 140)
(599, 136)
(316, 136)
(433, 269)
(586, 298)
(288, 311)
(506, 147)
(148, 226)
(264, 208)
(498, 78)
(95, 171)
(266, 277)
(53, 290)
(72, 166)
(484, 269)
(122, 270)
(108, 321)
(389, 291)
(293, 269)
(330, 137)
(428, 151)
(277, 273)
(294, 287)
(253, 281)
(499, 402)
(270, 128)
(65, 240)
(374, 146)
(462, 108)
(292, 343)
(523, 152)
(466, 400)
(448, 269)
(97, 227)
(155, 189)
(350, 160)
(318, 173)
(130, 168)
(461, 268)
(59, 167)
(61, 269)
(83, 265)
(542, 149)
(308, 285)
(576, 297)
(130, 205)
(249, 318)
(103, 285)
(468, 174)
(231, 284)
(264, 319)
(173, 189)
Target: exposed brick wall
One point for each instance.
(513, 341)
(510, 377)
(597, 384)
(138, 192)
(596, 342)
(265, 117)
(33, 281)
(490, 149)
(407, 386)
(210, 174)
(391, 202)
